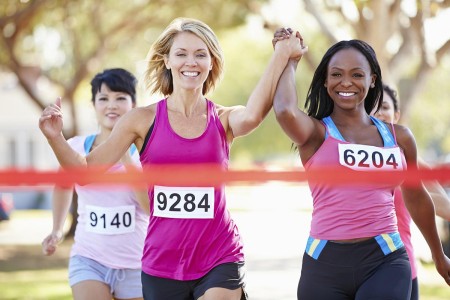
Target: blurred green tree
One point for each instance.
(402, 33)
(64, 42)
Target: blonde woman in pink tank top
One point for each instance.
(190, 229)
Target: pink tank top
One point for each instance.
(111, 223)
(190, 230)
(352, 211)
(404, 228)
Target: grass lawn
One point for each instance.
(35, 284)
(430, 292)
(434, 289)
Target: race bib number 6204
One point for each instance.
(183, 202)
(364, 157)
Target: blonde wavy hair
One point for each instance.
(158, 78)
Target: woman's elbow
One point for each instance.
(251, 122)
(283, 112)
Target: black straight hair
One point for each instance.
(117, 80)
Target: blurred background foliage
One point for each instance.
(54, 47)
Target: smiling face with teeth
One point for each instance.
(189, 61)
(349, 78)
(110, 106)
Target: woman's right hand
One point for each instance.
(51, 242)
(281, 34)
(296, 46)
(51, 120)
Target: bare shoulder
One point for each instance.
(139, 120)
(221, 110)
(406, 141)
(403, 134)
(144, 111)
(224, 111)
(138, 114)
(224, 115)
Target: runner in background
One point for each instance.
(111, 227)
(389, 112)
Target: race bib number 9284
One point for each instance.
(183, 202)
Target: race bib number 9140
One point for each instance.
(183, 202)
(365, 157)
(110, 220)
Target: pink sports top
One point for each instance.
(190, 230)
(404, 228)
(354, 211)
(111, 223)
